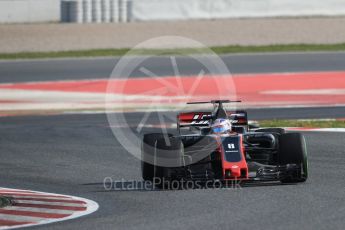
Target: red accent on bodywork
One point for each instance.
(189, 117)
(236, 168)
(186, 116)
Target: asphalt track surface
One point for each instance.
(93, 68)
(72, 154)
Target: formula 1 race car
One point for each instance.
(244, 154)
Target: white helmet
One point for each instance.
(220, 126)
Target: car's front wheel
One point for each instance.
(293, 150)
(147, 154)
(168, 158)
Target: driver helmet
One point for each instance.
(221, 126)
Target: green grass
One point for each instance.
(303, 123)
(278, 48)
(217, 50)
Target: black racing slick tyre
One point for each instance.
(293, 150)
(147, 154)
(168, 156)
(271, 130)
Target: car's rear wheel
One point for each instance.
(147, 154)
(293, 150)
(168, 158)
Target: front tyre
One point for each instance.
(293, 150)
(168, 158)
(147, 154)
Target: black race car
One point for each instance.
(245, 154)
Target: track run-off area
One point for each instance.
(271, 80)
(27, 208)
(76, 153)
(260, 90)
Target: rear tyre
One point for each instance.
(147, 154)
(271, 130)
(168, 157)
(293, 150)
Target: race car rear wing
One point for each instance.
(238, 117)
(194, 119)
(204, 119)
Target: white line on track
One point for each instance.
(20, 218)
(45, 210)
(42, 197)
(337, 130)
(49, 203)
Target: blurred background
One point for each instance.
(57, 25)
